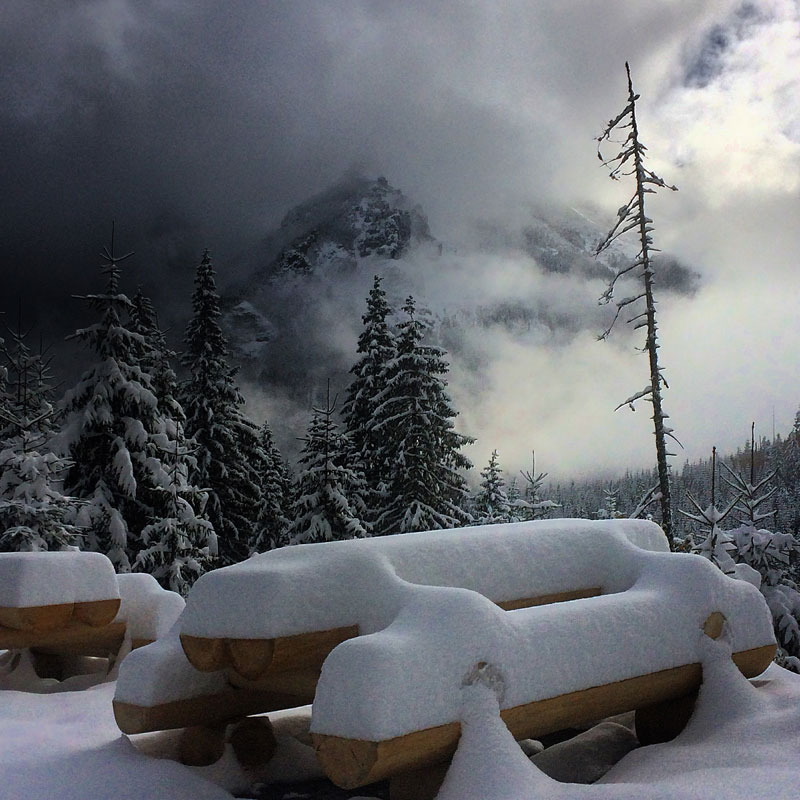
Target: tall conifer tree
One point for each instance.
(329, 502)
(272, 522)
(212, 403)
(420, 447)
(34, 512)
(377, 347)
(114, 431)
(630, 161)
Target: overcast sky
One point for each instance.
(196, 123)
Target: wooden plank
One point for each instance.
(351, 763)
(77, 638)
(202, 710)
(59, 615)
(547, 599)
(302, 683)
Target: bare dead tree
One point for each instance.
(629, 161)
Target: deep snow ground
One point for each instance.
(743, 742)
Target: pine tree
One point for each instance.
(329, 501)
(630, 161)
(377, 347)
(419, 445)
(114, 431)
(212, 404)
(34, 513)
(181, 545)
(533, 505)
(491, 503)
(273, 522)
(716, 545)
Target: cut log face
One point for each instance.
(351, 763)
(254, 659)
(97, 612)
(253, 742)
(202, 745)
(45, 618)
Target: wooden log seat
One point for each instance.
(560, 666)
(48, 591)
(255, 630)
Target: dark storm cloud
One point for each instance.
(199, 124)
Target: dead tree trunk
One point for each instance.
(630, 161)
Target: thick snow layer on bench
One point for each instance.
(159, 673)
(43, 579)
(148, 610)
(409, 676)
(364, 581)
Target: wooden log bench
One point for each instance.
(59, 605)
(274, 631)
(260, 638)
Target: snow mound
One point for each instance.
(148, 610)
(52, 578)
(364, 582)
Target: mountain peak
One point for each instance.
(355, 218)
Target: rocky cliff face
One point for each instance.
(351, 221)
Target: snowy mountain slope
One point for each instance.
(294, 318)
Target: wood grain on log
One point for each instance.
(351, 763)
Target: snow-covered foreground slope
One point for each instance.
(743, 742)
(66, 746)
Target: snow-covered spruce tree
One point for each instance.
(156, 358)
(377, 347)
(716, 544)
(272, 523)
(770, 554)
(533, 505)
(34, 513)
(491, 502)
(632, 216)
(181, 545)
(329, 502)
(114, 431)
(419, 445)
(212, 404)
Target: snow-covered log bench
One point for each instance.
(254, 636)
(72, 603)
(389, 703)
(556, 599)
